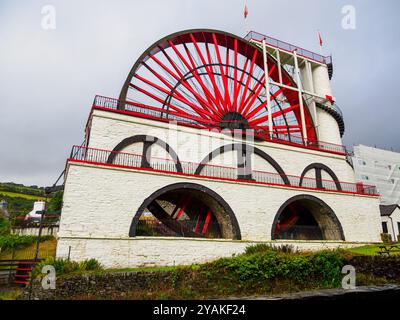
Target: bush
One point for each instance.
(13, 241)
(386, 238)
(64, 266)
(262, 263)
(263, 247)
(90, 265)
(258, 248)
(55, 203)
(4, 226)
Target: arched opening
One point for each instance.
(185, 210)
(306, 217)
(148, 142)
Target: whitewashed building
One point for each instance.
(391, 220)
(215, 143)
(381, 168)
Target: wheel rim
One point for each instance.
(216, 80)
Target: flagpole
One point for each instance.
(245, 18)
(320, 43)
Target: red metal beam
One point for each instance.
(275, 114)
(206, 222)
(244, 94)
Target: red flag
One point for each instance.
(246, 11)
(320, 39)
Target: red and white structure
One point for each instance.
(215, 142)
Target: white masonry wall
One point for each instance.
(193, 145)
(100, 203)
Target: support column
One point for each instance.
(310, 87)
(303, 122)
(268, 94)
(278, 58)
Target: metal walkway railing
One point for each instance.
(130, 160)
(106, 103)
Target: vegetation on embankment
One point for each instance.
(24, 247)
(370, 250)
(20, 198)
(260, 271)
(21, 189)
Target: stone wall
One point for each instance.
(117, 285)
(101, 285)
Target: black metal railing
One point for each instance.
(131, 160)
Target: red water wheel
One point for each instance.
(213, 79)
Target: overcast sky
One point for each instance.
(48, 78)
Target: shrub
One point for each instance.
(258, 248)
(90, 265)
(261, 263)
(55, 203)
(64, 266)
(386, 238)
(13, 241)
(263, 247)
(4, 226)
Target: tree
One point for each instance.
(55, 203)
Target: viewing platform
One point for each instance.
(215, 172)
(165, 115)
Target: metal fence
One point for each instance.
(166, 115)
(130, 160)
(155, 228)
(253, 35)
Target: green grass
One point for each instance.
(21, 195)
(10, 295)
(368, 250)
(46, 249)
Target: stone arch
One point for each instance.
(328, 223)
(319, 167)
(147, 141)
(246, 153)
(223, 213)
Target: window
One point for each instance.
(392, 180)
(384, 227)
(398, 228)
(365, 177)
(390, 167)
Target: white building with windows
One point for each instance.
(391, 220)
(380, 168)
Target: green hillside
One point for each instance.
(21, 189)
(20, 198)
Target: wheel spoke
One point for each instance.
(216, 80)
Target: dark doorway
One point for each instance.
(306, 217)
